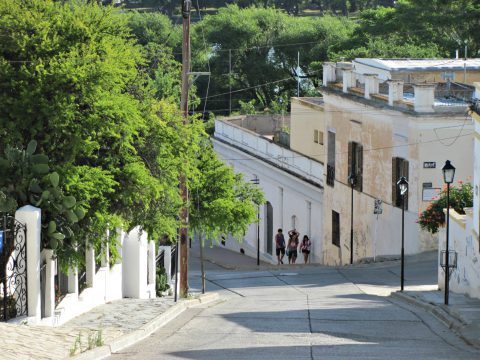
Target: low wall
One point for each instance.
(465, 279)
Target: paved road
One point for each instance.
(305, 313)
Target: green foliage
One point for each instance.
(76, 80)
(222, 202)
(433, 217)
(161, 281)
(27, 180)
(263, 62)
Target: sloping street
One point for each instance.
(307, 313)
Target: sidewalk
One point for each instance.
(462, 315)
(95, 334)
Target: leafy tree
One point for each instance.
(222, 202)
(72, 80)
(264, 44)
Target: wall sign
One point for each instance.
(377, 207)
(429, 165)
(1, 242)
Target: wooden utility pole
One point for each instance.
(186, 6)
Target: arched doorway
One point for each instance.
(269, 227)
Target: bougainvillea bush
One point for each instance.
(461, 196)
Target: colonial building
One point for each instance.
(379, 120)
(292, 183)
(464, 229)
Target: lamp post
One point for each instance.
(448, 175)
(352, 180)
(403, 187)
(256, 181)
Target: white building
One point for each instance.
(464, 229)
(292, 183)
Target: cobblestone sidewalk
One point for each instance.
(98, 326)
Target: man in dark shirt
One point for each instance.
(280, 246)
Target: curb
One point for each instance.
(146, 329)
(458, 326)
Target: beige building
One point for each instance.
(379, 126)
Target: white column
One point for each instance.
(47, 255)
(32, 218)
(348, 80)
(89, 265)
(151, 263)
(73, 280)
(424, 97)
(106, 251)
(135, 264)
(167, 260)
(329, 73)
(371, 85)
(395, 91)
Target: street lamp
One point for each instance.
(403, 187)
(352, 180)
(448, 175)
(256, 181)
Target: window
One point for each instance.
(399, 169)
(331, 159)
(355, 163)
(318, 137)
(335, 228)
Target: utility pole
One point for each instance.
(186, 7)
(230, 81)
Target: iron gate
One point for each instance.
(13, 268)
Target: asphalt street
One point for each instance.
(306, 313)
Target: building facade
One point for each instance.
(292, 183)
(380, 128)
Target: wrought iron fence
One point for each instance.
(13, 268)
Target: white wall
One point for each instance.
(289, 196)
(135, 253)
(465, 279)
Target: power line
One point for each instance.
(438, 140)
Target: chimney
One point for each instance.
(348, 80)
(395, 91)
(329, 75)
(424, 97)
(371, 84)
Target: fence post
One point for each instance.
(73, 281)
(32, 218)
(47, 255)
(89, 265)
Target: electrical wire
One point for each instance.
(438, 140)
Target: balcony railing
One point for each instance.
(264, 148)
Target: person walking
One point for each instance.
(280, 246)
(292, 246)
(305, 247)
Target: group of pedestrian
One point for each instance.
(291, 248)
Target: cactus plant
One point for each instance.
(27, 179)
